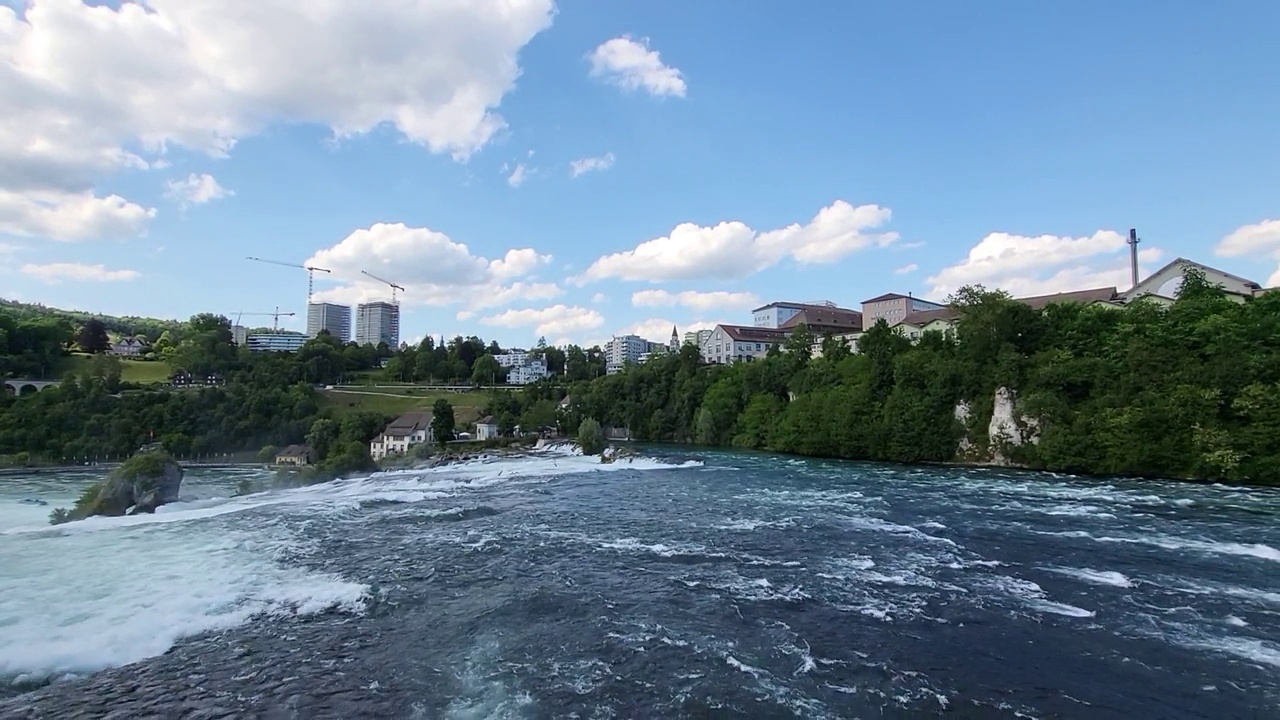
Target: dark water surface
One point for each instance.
(731, 586)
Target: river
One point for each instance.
(679, 584)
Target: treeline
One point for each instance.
(470, 360)
(124, 326)
(1191, 390)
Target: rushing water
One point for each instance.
(677, 585)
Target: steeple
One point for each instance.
(675, 340)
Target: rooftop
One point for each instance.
(825, 318)
(295, 451)
(409, 423)
(748, 333)
(795, 305)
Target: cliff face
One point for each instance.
(1006, 430)
(143, 483)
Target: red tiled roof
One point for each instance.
(747, 333)
(825, 319)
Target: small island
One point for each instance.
(148, 479)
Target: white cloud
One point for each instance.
(1044, 264)
(433, 269)
(585, 165)
(659, 329)
(554, 320)
(694, 300)
(732, 250)
(55, 273)
(598, 298)
(196, 190)
(1258, 240)
(631, 65)
(70, 217)
(90, 89)
(464, 315)
(517, 176)
(906, 269)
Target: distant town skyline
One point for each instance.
(577, 171)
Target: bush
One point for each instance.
(590, 437)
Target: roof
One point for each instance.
(920, 318)
(747, 333)
(1207, 270)
(1106, 294)
(487, 420)
(295, 451)
(787, 304)
(825, 319)
(886, 296)
(408, 424)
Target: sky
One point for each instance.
(579, 169)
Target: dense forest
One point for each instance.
(1191, 390)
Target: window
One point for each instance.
(758, 348)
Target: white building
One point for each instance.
(403, 434)
(331, 317)
(775, 315)
(240, 335)
(696, 338)
(625, 350)
(512, 358)
(487, 428)
(740, 343)
(531, 371)
(378, 322)
(276, 342)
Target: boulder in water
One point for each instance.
(143, 483)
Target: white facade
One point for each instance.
(240, 335)
(329, 316)
(402, 435)
(128, 347)
(276, 342)
(378, 322)
(532, 371)
(696, 338)
(623, 350)
(735, 343)
(487, 429)
(512, 358)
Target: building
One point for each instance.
(240, 335)
(334, 318)
(512, 358)
(487, 428)
(624, 350)
(824, 320)
(1236, 287)
(740, 343)
(674, 343)
(378, 322)
(128, 347)
(298, 455)
(893, 308)
(402, 434)
(276, 342)
(531, 371)
(696, 338)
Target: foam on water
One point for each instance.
(1097, 577)
(1257, 550)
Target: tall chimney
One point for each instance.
(1133, 255)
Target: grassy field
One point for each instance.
(135, 371)
(466, 405)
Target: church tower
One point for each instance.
(675, 340)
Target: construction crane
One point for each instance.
(275, 317)
(311, 272)
(394, 287)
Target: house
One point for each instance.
(1236, 287)
(893, 308)
(740, 343)
(128, 347)
(487, 428)
(298, 455)
(402, 434)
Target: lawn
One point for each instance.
(466, 405)
(134, 371)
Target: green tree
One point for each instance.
(486, 371)
(92, 337)
(442, 423)
(590, 437)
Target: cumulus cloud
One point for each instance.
(906, 269)
(554, 320)
(598, 298)
(196, 190)
(1043, 264)
(732, 250)
(91, 89)
(70, 217)
(631, 65)
(1257, 240)
(585, 165)
(695, 300)
(659, 329)
(516, 178)
(55, 273)
(431, 266)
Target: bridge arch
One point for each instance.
(21, 387)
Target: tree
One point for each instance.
(322, 436)
(442, 421)
(92, 337)
(590, 437)
(486, 370)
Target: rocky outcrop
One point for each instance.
(1005, 431)
(141, 484)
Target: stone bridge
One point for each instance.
(23, 387)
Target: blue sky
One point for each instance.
(768, 151)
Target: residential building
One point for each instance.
(334, 318)
(625, 350)
(775, 314)
(512, 358)
(276, 342)
(128, 347)
(696, 338)
(893, 308)
(531, 371)
(487, 428)
(297, 455)
(402, 434)
(378, 322)
(739, 343)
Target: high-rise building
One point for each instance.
(378, 322)
(276, 342)
(329, 316)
